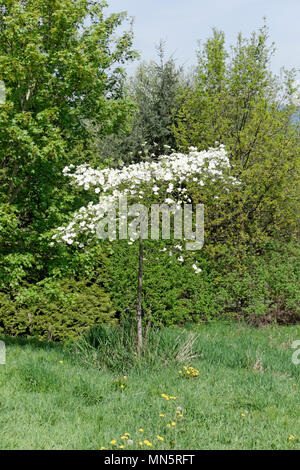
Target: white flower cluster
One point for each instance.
(176, 167)
(196, 269)
(162, 179)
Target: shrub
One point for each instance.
(172, 293)
(266, 288)
(256, 287)
(58, 310)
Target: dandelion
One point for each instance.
(161, 415)
(159, 438)
(121, 447)
(61, 362)
(190, 372)
(102, 448)
(165, 396)
(291, 437)
(141, 430)
(130, 442)
(124, 437)
(173, 423)
(113, 441)
(140, 443)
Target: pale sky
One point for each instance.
(183, 22)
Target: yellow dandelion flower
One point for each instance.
(161, 415)
(168, 425)
(113, 441)
(124, 376)
(291, 437)
(159, 438)
(122, 386)
(180, 372)
(243, 414)
(124, 437)
(127, 434)
(61, 362)
(102, 448)
(121, 447)
(173, 423)
(140, 443)
(172, 398)
(141, 430)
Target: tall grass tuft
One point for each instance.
(115, 347)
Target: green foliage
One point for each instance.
(237, 101)
(172, 292)
(66, 94)
(59, 310)
(61, 63)
(266, 288)
(259, 288)
(153, 90)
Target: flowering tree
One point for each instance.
(164, 184)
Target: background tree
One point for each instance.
(61, 63)
(153, 90)
(235, 99)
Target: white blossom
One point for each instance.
(165, 175)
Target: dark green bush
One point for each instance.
(59, 310)
(261, 287)
(172, 293)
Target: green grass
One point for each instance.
(45, 404)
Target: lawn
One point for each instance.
(246, 396)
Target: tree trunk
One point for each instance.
(139, 298)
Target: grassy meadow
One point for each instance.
(245, 396)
